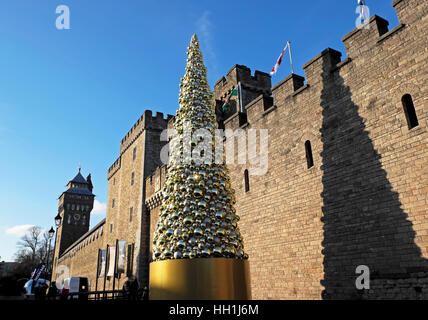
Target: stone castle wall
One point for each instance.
(364, 200)
(80, 259)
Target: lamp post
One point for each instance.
(57, 224)
(51, 233)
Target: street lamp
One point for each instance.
(58, 220)
(57, 224)
(51, 233)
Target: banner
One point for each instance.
(111, 261)
(37, 273)
(121, 256)
(102, 263)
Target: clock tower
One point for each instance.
(74, 207)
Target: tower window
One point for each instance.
(83, 219)
(309, 158)
(132, 178)
(134, 154)
(68, 206)
(130, 213)
(72, 206)
(247, 181)
(409, 111)
(111, 227)
(69, 219)
(112, 203)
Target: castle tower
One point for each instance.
(74, 207)
(250, 87)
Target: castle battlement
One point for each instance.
(260, 81)
(360, 40)
(145, 122)
(409, 11)
(357, 43)
(114, 168)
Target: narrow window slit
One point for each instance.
(309, 157)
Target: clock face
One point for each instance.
(76, 217)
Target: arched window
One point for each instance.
(309, 157)
(409, 111)
(247, 181)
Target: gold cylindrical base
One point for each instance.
(200, 279)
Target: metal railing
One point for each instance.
(91, 295)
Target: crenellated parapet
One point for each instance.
(114, 168)
(286, 87)
(259, 82)
(145, 122)
(409, 11)
(357, 43)
(360, 40)
(251, 87)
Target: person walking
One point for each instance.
(126, 289)
(145, 293)
(53, 291)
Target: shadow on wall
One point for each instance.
(362, 216)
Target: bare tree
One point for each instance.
(33, 249)
(30, 243)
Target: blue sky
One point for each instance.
(69, 96)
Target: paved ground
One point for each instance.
(12, 298)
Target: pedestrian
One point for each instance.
(53, 291)
(126, 289)
(145, 293)
(133, 289)
(36, 291)
(43, 289)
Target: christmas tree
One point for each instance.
(197, 216)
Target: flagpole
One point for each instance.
(105, 271)
(115, 267)
(241, 107)
(291, 58)
(98, 268)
